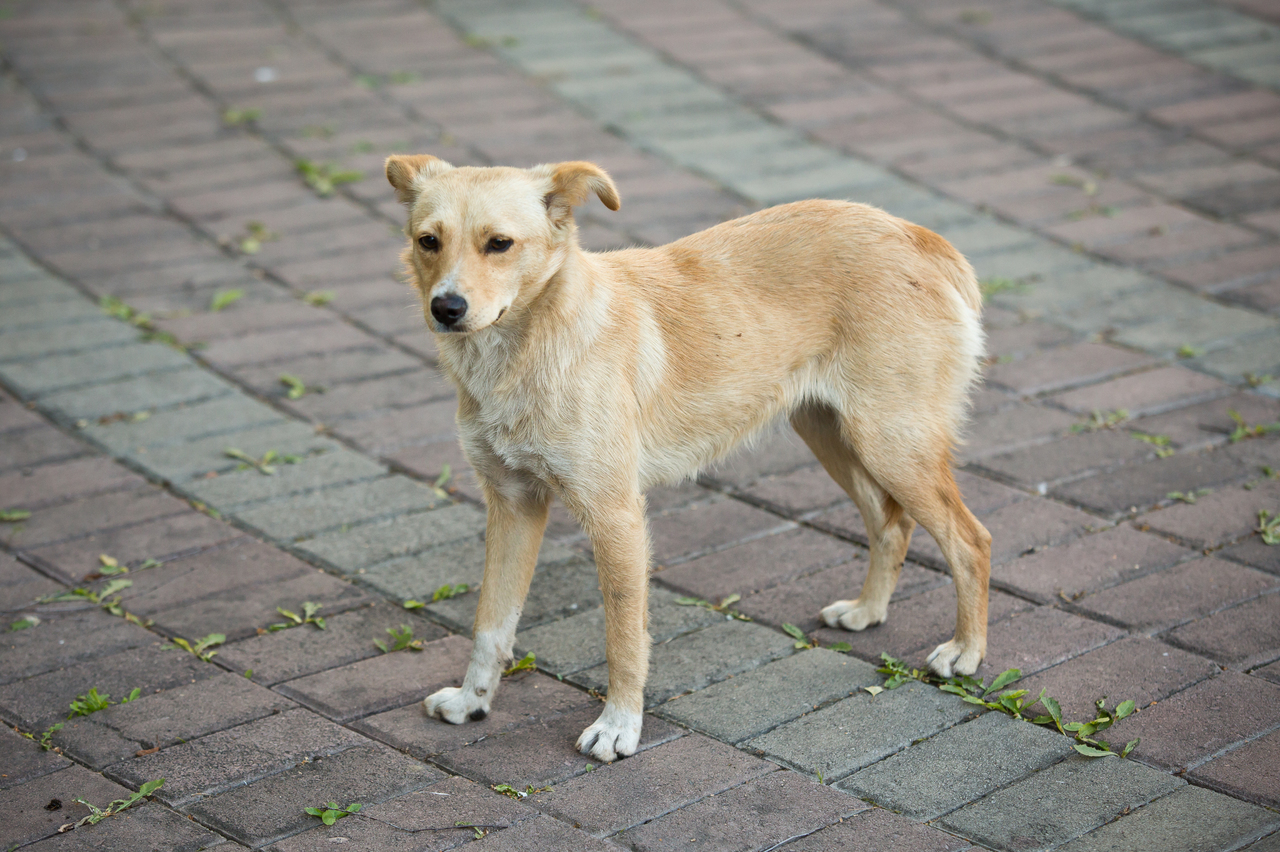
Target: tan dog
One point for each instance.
(593, 377)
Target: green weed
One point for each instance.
(201, 649)
(225, 298)
(723, 606)
(265, 465)
(331, 813)
(13, 516)
(309, 610)
(1189, 351)
(324, 178)
(236, 116)
(514, 793)
(1160, 442)
(447, 591)
(24, 623)
(319, 298)
(97, 814)
(256, 234)
(1268, 527)
(92, 702)
(297, 388)
(1102, 420)
(525, 664)
(1189, 496)
(401, 639)
(1244, 430)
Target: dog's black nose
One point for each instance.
(448, 309)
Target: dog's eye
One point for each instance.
(498, 245)
(429, 242)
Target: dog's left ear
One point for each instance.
(407, 173)
(568, 185)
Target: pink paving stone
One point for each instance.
(181, 534)
(709, 526)
(1191, 590)
(1210, 422)
(1089, 563)
(1148, 392)
(1134, 669)
(1008, 428)
(1066, 366)
(1244, 636)
(1250, 772)
(1224, 516)
(1198, 722)
(32, 488)
(798, 492)
(1036, 639)
(1229, 270)
(281, 344)
(241, 318)
(1017, 530)
(420, 424)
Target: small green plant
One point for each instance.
(401, 639)
(723, 606)
(447, 591)
(255, 235)
(97, 814)
(225, 298)
(1088, 187)
(109, 565)
(108, 598)
(201, 649)
(331, 813)
(46, 738)
(113, 307)
(27, 621)
(1189, 496)
(265, 465)
(92, 702)
(1269, 527)
(1243, 430)
(1094, 210)
(989, 287)
(1188, 351)
(324, 178)
(525, 664)
(514, 793)
(413, 604)
(309, 610)
(13, 516)
(1102, 420)
(297, 388)
(1160, 442)
(237, 116)
(446, 472)
(1254, 380)
(319, 298)
(803, 642)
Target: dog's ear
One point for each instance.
(568, 185)
(407, 173)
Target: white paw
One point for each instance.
(853, 615)
(455, 706)
(615, 734)
(953, 658)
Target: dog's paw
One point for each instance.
(615, 734)
(455, 706)
(852, 615)
(953, 658)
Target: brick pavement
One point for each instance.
(1113, 175)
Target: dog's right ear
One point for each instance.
(407, 173)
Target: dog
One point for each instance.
(592, 377)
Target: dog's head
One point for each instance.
(483, 241)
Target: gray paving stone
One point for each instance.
(418, 576)
(150, 826)
(876, 830)
(364, 546)
(1216, 328)
(858, 731)
(955, 767)
(237, 756)
(423, 821)
(648, 784)
(203, 419)
(89, 335)
(1059, 803)
(65, 640)
(138, 394)
(1259, 355)
(1188, 818)
(26, 808)
(22, 760)
(34, 287)
(268, 809)
(341, 506)
(337, 466)
(577, 642)
(179, 462)
(757, 701)
(541, 834)
(698, 659)
(32, 378)
(757, 815)
(557, 590)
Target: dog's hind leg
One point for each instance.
(517, 517)
(888, 526)
(620, 538)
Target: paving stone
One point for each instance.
(89, 514)
(1189, 817)
(557, 591)
(159, 719)
(779, 452)
(1149, 392)
(337, 467)
(1134, 669)
(268, 809)
(372, 543)
(159, 539)
(347, 637)
(1199, 722)
(1224, 516)
(624, 794)
(28, 816)
(89, 334)
(65, 640)
(957, 766)
(237, 756)
(343, 505)
(24, 448)
(180, 462)
(874, 830)
(1094, 562)
(362, 397)
(149, 826)
(34, 487)
(40, 701)
(1178, 594)
(861, 730)
(709, 526)
(382, 682)
(21, 760)
(130, 396)
(438, 806)
(1035, 639)
(542, 752)
(1044, 465)
(1249, 772)
(541, 834)
(798, 492)
(1024, 423)
(1254, 552)
(756, 815)
(1059, 803)
(799, 601)
(1018, 528)
(577, 642)
(21, 586)
(1068, 366)
(522, 700)
(1243, 636)
(33, 378)
(757, 564)
(417, 577)
(757, 701)
(186, 423)
(698, 659)
(1208, 423)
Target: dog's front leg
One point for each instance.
(517, 519)
(620, 538)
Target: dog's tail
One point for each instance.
(951, 262)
